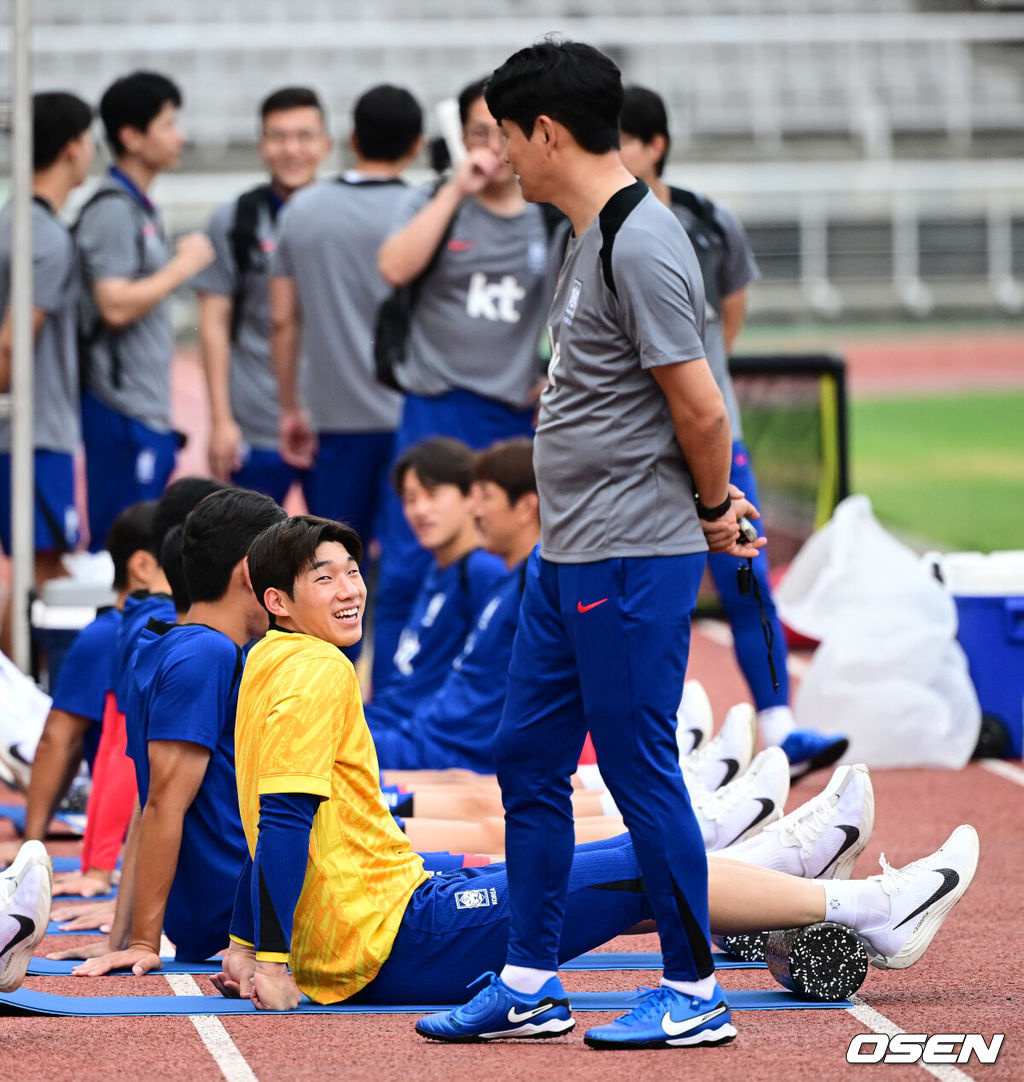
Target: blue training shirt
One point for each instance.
(88, 670)
(184, 687)
(139, 608)
(442, 616)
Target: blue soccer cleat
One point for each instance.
(498, 1012)
(809, 750)
(665, 1018)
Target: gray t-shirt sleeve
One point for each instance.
(411, 203)
(51, 265)
(108, 240)
(220, 276)
(661, 308)
(738, 268)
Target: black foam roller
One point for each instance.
(746, 946)
(822, 961)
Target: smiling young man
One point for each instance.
(332, 901)
(126, 334)
(234, 297)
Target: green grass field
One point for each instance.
(947, 470)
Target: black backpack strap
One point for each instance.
(701, 208)
(243, 237)
(613, 214)
(239, 665)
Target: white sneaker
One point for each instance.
(727, 754)
(920, 897)
(694, 718)
(15, 766)
(25, 891)
(824, 836)
(747, 805)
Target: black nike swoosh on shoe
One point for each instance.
(767, 807)
(852, 837)
(950, 881)
(26, 927)
(732, 768)
(15, 754)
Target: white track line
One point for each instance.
(878, 1023)
(1004, 770)
(210, 1028)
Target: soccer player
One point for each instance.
(727, 267)
(84, 689)
(336, 419)
(333, 890)
(632, 460)
(234, 297)
(454, 726)
(472, 368)
(130, 272)
(61, 153)
(180, 714)
(434, 480)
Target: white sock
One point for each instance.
(860, 904)
(590, 776)
(702, 989)
(775, 724)
(525, 980)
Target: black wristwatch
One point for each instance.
(712, 514)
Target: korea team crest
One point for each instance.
(476, 899)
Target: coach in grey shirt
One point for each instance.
(129, 272)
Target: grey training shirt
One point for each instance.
(254, 395)
(118, 237)
(611, 476)
(480, 313)
(55, 416)
(725, 255)
(328, 236)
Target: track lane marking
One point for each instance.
(212, 1033)
(1004, 770)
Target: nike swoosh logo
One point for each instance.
(580, 607)
(25, 928)
(950, 881)
(14, 753)
(515, 1017)
(732, 768)
(460, 245)
(852, 835)
(767, 807)
(677, 1029)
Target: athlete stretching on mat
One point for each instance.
(333, 889)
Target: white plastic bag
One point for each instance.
(889, 673)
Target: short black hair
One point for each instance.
(574, 84)
(218, 533)
(172, 559)
(468, 95)
(283, 551)
(57, 118)
(644, 116)
(292, 97)
(387, 120)
(509, 465)
(131, 532)
(438, 461)
(174, 505)
(134, 101)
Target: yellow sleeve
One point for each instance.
(299, 739)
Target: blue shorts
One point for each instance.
(56, 518)
(264, 470)
(349, 479)
(456, 924)
(602, 647)
(125, 462)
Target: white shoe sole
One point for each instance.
(14, 963)
(931, 919)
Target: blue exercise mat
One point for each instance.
(70, 864)
(16, 814)
(596, 961)
(136, 1006)
(593, 962)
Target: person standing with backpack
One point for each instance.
(727, 267)
(126, 337)
(234, 297)
(62, 150)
